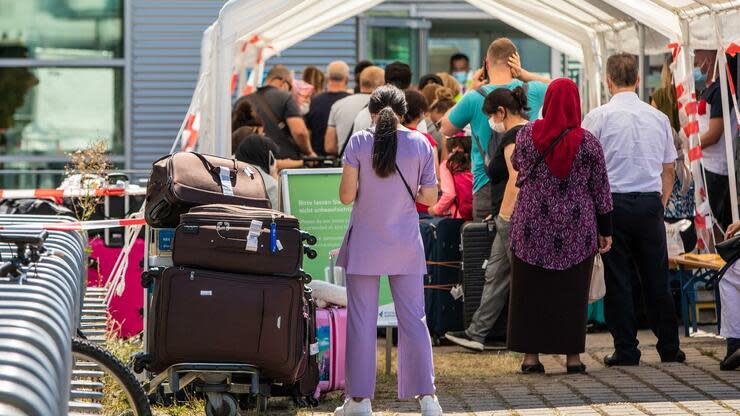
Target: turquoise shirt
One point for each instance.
(469, 110)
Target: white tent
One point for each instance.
(248, 32)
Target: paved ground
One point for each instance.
(695, 388)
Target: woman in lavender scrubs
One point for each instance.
(386, 171)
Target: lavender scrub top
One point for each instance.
(383, 234)
(554, 221)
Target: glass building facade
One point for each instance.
(62, 71)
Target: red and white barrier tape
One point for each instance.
(69, 193)
(77, 226)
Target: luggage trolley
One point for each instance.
(227, 386)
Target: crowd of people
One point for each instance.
(506, 145)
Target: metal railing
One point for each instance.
(39, 314)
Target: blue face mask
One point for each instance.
(699, 76)
(460, 76)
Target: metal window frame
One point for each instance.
(125, 64)
(420, 24)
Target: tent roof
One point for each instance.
(248, 32)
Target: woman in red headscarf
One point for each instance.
(562, 218)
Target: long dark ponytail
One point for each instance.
(389, 103)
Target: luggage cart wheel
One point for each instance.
(221, 404)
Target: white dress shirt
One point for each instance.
(637, 141)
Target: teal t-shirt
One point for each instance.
(469, 110)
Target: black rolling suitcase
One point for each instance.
(441, 238)
(216, 317)
(239, 239)
(477, 238)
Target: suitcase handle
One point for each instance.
(215, 169)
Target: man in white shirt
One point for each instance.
(343, 112)
(638, 147)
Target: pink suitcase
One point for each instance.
(331, 331)
(125, 310)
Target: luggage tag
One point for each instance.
(249, 172)
(225, 176)
(255, 229)
(314, 348)
(456, 292)
(273, 235)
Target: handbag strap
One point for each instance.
(406, 184)
(543, 156)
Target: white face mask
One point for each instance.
(497, 127)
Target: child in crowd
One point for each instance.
(456, 181)
(416, 107)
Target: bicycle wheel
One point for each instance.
(103, 384)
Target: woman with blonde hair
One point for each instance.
(448, 81)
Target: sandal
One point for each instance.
(533, 368)
(576, 369)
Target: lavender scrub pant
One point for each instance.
(415, 367)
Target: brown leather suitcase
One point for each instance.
(186, 179)
(200, 316)
(217, 237)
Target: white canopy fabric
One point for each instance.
(248, 32)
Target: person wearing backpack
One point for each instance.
(506, 109)
(501, 69)
(456, 181)
(386, 171)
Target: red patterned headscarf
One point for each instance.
(561, 110)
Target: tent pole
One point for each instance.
(643, 68)
(729, 151)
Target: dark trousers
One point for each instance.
(639, 244)
(718, 188)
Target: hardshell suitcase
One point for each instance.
(216, 237)
(331, 331)
(215, 317)
(476, 241)
(185, 179)
(127, 301)
(441, 237)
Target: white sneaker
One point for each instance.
(430, 406)
(353, 408)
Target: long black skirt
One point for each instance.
(548, 308)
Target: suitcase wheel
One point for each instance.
(309, 238)
(221, 404)
(310, 253)
(140, 361)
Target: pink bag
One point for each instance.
(125, 310)
(331, 331)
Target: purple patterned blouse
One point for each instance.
(554, 225)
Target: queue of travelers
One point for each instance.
(511, 147)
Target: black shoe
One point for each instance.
(533, 368)
(462, 339)
(678, 357)
(576, 369)
(731, 362)
(618, 360)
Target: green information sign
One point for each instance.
(312, 196)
